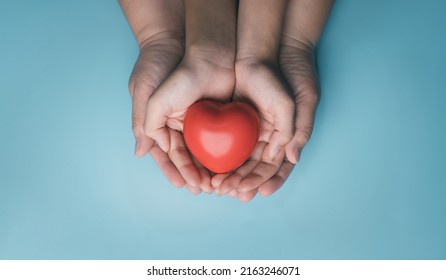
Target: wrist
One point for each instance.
(211, 31)
(173, 39)
(297, 42)
(211, 72)
(210, 55)
(259, 30)
(248, 55)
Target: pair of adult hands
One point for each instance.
(166, 81)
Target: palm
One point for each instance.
(297, 66)
(166, 109)
(263, 86)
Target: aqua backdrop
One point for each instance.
(371, 183)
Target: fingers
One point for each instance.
(275, 182)
(155, 123)
(218, 179)
(306, 103)
(282, 110)
(297, 65)
(270, 93)
(298, 68)
(140, 94)
(205, 184)
(158, 107)
(167, 167)
(182, 160)
(151, 68)
(283, 122)
(232, 181)
(142, 145)
(246, 196)
(193, 190)
(262, 172)
(233, 193)
(169, 102)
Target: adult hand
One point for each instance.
(156, 61)
(304, 23)
(158, 27)
(297, 65)
(259, 174)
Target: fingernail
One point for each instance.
(294, 155)
(297, 153)
(273, 153)
(218, 191)
(208, 191)
(224, 191)
(137, 146)
(194, 184)
(215, 183)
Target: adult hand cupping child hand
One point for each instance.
(161, 41)
(303, 25)
(286, 103)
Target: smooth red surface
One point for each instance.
(221, 136)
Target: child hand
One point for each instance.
(206, 71)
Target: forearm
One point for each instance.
(211, 28)
(151, 20)
(259, 28)
(304, 22)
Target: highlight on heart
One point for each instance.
(221, 136)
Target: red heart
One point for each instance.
(221, 136)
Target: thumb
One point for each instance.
(155, 125)
(298, 67)
(169, 101)
(306, 103)
(283, 115)
(140, 93)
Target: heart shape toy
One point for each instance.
(221, 136)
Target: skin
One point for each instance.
(274, 69)
(258, 79)
(206, 71)
(303, 26)
(160, 39)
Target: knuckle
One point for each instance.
(308, 95)
(141, 87)
(176, 151)
(311, 97)
(137, 126)
(303, 135)
(131, 86)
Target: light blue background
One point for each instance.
(371, 184)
